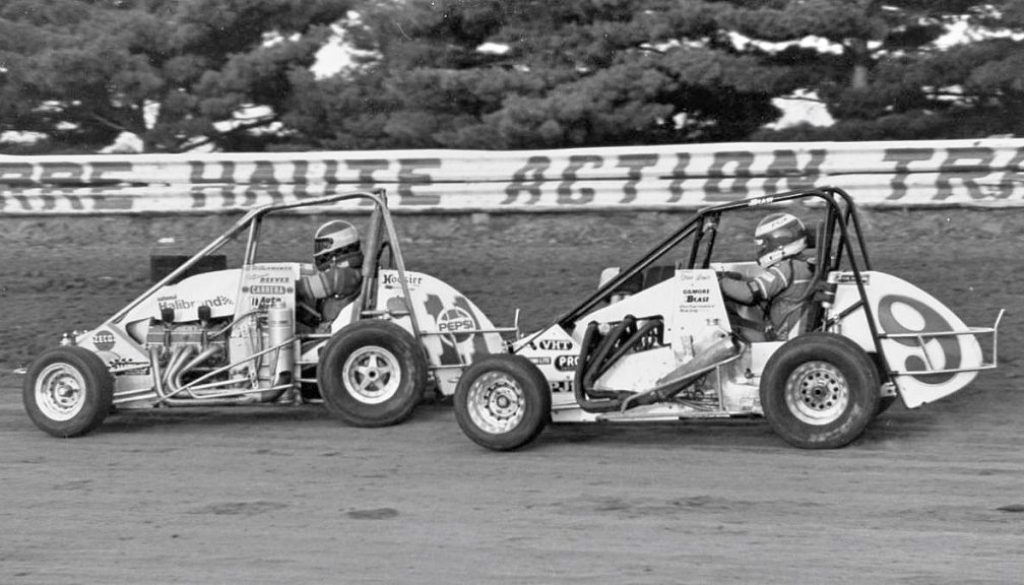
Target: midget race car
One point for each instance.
(673, 349)
(210, 335)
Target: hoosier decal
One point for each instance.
(391, 280)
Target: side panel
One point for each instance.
(555, 353)
(638, 371)
(262, 286)
(228, 294)
(118, 350)
(450, 324)
(691, 306)
(120, 345)
(923, 358)
(690, 303)
(217, 290)
(266, 285)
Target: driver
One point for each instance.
(337, 258)
(781, 287)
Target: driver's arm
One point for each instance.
(737, 288)
(339, 280)
(748, 291)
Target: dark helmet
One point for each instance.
(336, 240)
(778, 236)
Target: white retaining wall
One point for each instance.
(984, 172)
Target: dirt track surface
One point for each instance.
(287, 494)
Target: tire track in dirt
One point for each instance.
(266, 495)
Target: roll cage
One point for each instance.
(838, 242)
(381, 236)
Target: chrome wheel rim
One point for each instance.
(817, 393)
(372, 374)
(60, 391)
(496, 402)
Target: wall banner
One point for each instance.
(984, 172)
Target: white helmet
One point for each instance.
(336, 240)
(778, 236)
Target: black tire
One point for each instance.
(819, 391)
(68, 391)
(502, 402)
(372, 374)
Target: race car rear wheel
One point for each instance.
(819, 391)
(372, 373)
(68, 391)
(502, 402)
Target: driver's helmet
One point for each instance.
(337, 242)
(778, 236)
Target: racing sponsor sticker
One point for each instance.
(552, 345)
(252, 269)
(457, 325)
(103, 340)
(566, 363)
(561, 385)
(704, 276)
(265, 302)
(120, 365)
(851, 278)
(696, 295)
(178, 303)
(457, 322)
(391, 280)
(540, 361)
(269, 289)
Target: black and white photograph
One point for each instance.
(416, 292)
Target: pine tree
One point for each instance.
(81, 72)
(887, 77)
(503, 74)
(620, 72)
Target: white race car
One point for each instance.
(228, 336)
(673, 349)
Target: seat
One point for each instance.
(811, 308)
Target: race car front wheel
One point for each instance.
(68, 391)
(372, 373)
(502, 402)
(819, 391)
